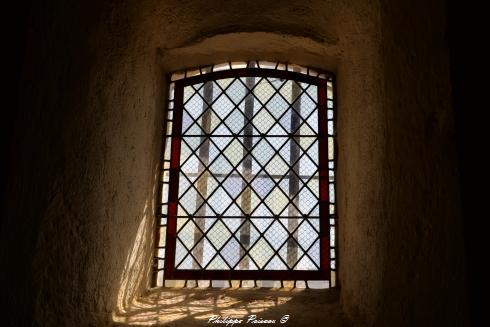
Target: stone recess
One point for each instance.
(78, 226)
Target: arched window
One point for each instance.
(248, 175)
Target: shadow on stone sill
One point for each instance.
(194, 307)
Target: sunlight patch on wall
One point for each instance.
(136, 263)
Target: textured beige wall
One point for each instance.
(81, 198)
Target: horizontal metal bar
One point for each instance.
(240, 135)
(251, 274)
(253, 217)
(254, 176)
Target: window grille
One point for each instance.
(248, 175)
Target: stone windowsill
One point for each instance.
(193, 307)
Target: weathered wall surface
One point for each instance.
(77, 231)
(83, 170)
(401, 250)
(423, 245)
(361, 178)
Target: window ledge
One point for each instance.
(194, 307)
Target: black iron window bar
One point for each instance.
(195, 244)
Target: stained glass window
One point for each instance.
(248, 175)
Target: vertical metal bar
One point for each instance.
(157, 233)
(333, 279)
(246, 197)
(323, 180)
(173, 193)
(202, 183)
(293, 178)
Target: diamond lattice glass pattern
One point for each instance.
(249, 179)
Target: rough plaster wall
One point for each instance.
(401, 254)
(87, 149)
(423, 277)
(361, 179)
(92, 101)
